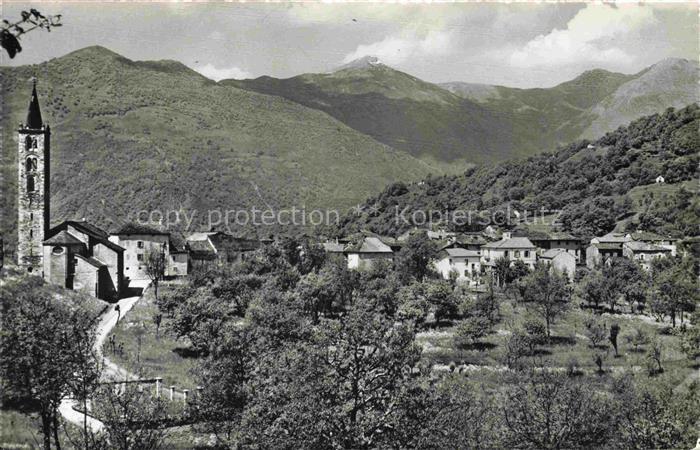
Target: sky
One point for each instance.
(512, 44)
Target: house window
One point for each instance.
(139, 257)
(505, 254)
(516, 253)
(450, 260)
(31, 233)
(473, 267)
(31, 217)
(139, 244)
(466, 273)
(527, 253)
(57, 250)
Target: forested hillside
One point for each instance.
(130, 136)
(595, 186)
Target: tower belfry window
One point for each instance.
(32, 164)
(30, 183)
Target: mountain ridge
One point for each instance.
(461, 123)
(134, 135)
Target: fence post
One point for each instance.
(184, 398)
(158, 381)
(172, 392)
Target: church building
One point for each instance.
(74, 254)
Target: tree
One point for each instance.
(544, 409)
(439, 294)
(547, 292)
(155, 267)
(415, 259)
(627, 279)
(595, 330)
(339, 387)
(596, 289)
(614, 332)
(653, 417)
(453, 413)
(654, 357)
(45, 349)
(501, 268)
(133, 420)
(471, 330)
(675, 286)
(637, 339)
(10, 33)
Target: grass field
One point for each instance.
(569, 344)
(161, 356)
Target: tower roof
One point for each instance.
(34, 114)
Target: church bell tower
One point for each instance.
(33, 185)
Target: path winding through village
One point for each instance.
(108, 321)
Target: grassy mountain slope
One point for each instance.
(670, 83)
(131, 136)
(590, 187)
(456, 123)
(590, 105)
(399, 110)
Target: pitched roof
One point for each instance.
(92, 261)
(645, 247)
(201, 248)
(461, 252)
(514, 242)
(613, 237)
(552, 253)
(177, 243)
(333, 247)
(608, 246)
(91, 230)
(34, 112)
(370, 245)
(137, 228)
(63, 238)
(223, 241)
(649, 236)
(200, 236)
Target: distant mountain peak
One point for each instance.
(366, 62)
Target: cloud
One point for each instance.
(394, 50)
(597, 34)
(217, 74)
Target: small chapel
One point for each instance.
(73, 254)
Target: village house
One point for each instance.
(644, 253)
(561, 260)
(369, 249)
(78, 255)
(463, 264)
(655, 239)
(556, 240)
(612, 246)
(219, 248)
(138, 240)
(605, 247)
(512, 248)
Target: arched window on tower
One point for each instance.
(34, 143)
(32, 164)
(31, 187)
(28, 142)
